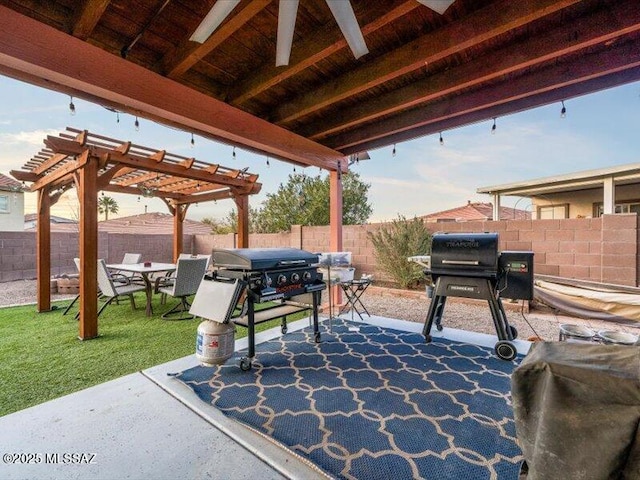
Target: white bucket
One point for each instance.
(612, 337)
(215, 343)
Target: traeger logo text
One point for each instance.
(462, 288)
(463, 244)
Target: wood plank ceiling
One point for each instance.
(424, 72)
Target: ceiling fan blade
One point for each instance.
(439, 6)
(214, 18)
(287, 13)
(348, 23)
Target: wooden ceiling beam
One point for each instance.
(88, 17)
(606, 25)
(619, 64)
(23, 176)
(496, 19)
(36, 53)
(313, 49)
(176, 62)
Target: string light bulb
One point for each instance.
(117, 117)
(441, 139)
(72, 107)
(493, 127)
(563, 111)
(393, 152)
(137, 124)
(268, 164)
(233, 153)
(193, 142)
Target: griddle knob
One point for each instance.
(282, 279)
(295, 277)
(306, 276)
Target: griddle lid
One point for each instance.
(262, 258)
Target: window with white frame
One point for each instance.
(630, 207)
(4, 204)
(553, 211)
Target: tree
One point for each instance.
(304, 200)
(396, 241)
(107, 205)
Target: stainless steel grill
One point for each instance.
(287, 277)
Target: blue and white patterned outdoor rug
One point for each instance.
(375, 404)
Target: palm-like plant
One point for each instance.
(107, 205)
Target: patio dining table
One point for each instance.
(144, 269)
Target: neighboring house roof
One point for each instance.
(8, 184)
(144, 224)
(32, 217)
(475, 211)
(152, 223)
(586, 179)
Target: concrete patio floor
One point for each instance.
(148, 425)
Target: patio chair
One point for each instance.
(66, 310)
(129, 277)
(111, 290)
(184, 282)
(198, 255)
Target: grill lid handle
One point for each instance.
(292, 262)
(461, 262)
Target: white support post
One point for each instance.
(496, 207)
(609, 199)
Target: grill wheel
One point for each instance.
(505, 350)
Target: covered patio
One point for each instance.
(323, 89)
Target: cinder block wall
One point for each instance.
(601, 249)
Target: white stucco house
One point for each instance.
(11, 205)
(585, 194)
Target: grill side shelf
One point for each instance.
(271, 313)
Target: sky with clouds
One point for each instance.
(600, 130)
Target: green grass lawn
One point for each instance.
(41, 357)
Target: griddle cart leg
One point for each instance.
(316, 302)
(245, 362)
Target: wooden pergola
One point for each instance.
(94, 163)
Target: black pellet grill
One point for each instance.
(284, 276)
(469, 265)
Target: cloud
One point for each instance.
(33, 137)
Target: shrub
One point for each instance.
(396, 241)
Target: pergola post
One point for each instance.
(335, 219)
(242, 202)
(179, 212)
(88, 196)
(43, 250)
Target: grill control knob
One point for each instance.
(282, 279)
(295, 277)
(306, 276)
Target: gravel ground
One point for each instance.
(458, 313)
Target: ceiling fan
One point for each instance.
(341, 10)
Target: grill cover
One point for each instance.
(262, 258)
(577, 410)
(465, 254)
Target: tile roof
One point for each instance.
(476, 211)
(8, 183)
(154, 223)
(151, 223)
